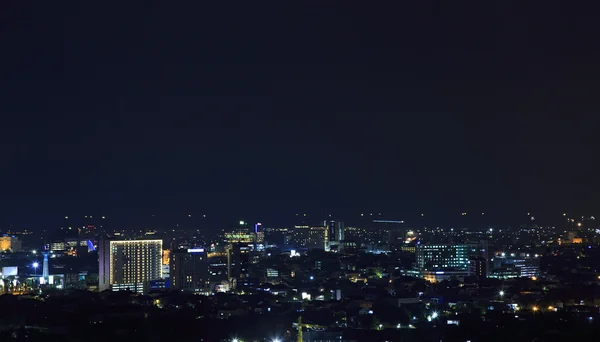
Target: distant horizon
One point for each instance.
(215, 222)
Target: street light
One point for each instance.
(501, 293)
(276, 340)
(35, 266)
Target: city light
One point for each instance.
(501, 293)
(276, 340)
(434, 315)
(35, 265)
(535, 308)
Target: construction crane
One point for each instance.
(300, 328)
(301, 325)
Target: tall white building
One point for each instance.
(129, 264)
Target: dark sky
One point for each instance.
(239, 109)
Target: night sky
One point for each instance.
(242, 110)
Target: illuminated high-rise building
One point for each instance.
(335, 230)
(238, 261)
(437, 261)
(129, 264)
(442, 256)
(166, 264)
(259, 234)
(316, 238)
(189, 270)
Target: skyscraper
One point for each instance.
(238, 261)
(335, 230)
(189, 270)
(129, 264)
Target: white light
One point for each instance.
(34, 251)
(235, 340)
(276, 340)
(501, 293)
(35, 265)
(434, 315)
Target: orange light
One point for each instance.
(535, 308)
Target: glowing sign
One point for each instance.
(10, 271)
(195, 250)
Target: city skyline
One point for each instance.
(214, 224)
(299, 171)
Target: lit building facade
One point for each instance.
(436, 262)
(513, 266)
(355, 234)
(277, 236)
(310, 237)
(317, 238)
(129, 264)
(335, 231)
(437, 256)
(478, 267)
(10, 243)
(166, 264)
(238, 261)
(189, 270)
(239, 236)
(300, 236)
